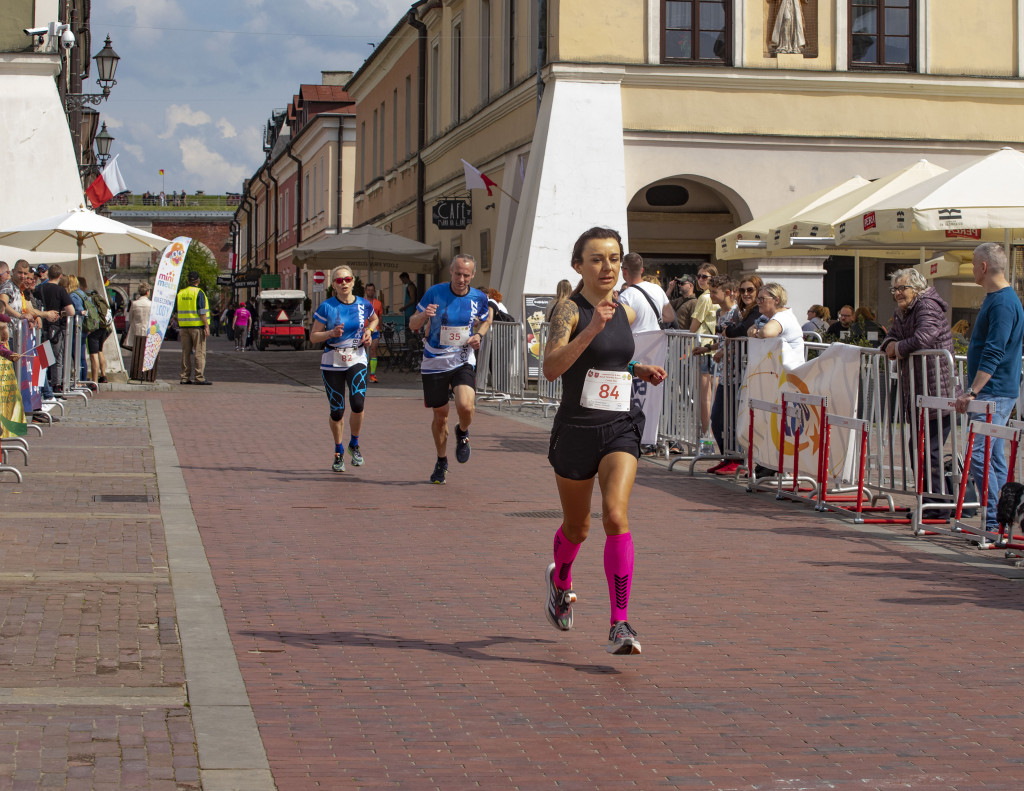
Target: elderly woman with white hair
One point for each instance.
(920, 324)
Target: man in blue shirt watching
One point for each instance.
(993, 364)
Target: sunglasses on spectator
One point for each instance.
(348, 279)
(748, 290)
(703, 277)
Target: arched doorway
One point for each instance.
(673, 223)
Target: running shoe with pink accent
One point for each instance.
(558, 609)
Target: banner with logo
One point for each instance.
(651, 349)
(165, 293)
(834, 374)
(12, 414)
(29, 369)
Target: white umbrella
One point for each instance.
(750, 239)
(82, 232)
(961, 207)
(819, 222)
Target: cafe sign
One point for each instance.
(452, 213)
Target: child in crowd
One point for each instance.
(5, 349)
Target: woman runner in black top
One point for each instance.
(597, 429)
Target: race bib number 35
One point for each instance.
(454, 336)
(608, 390)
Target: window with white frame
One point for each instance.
(456, 70)
(408, 116)
(435, 86)
(485, 51)
(394, 129)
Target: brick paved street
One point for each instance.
(389, 632)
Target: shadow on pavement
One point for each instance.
(466, 649)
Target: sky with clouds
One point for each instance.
(198, 79)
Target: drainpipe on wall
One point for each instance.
(266, 212)
(421, 127)
(542, 47)
(337, 198)
(277, 220)
(298, 194)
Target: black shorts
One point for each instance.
(437, 387)
(576, 451)
(94, 340)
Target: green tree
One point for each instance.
(199, 259)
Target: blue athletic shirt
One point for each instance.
(452, 311)
(354, 317)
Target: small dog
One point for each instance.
(1010, 508)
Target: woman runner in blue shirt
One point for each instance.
(346, 322)
(597, 429)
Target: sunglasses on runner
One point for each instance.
(348, 279)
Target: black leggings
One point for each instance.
(335, 382)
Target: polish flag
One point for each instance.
(475, 180)
(45, 354)
(108, 184)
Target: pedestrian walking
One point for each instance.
(344, 323)
(596, 430)
(457, 318)
(241, 321)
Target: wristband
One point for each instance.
(632, 364)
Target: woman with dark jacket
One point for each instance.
(920, 324)
(746, 315)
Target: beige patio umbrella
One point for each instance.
(750, 240)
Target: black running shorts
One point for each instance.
(576, 451)
(437, 387)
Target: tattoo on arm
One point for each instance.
(562, 322)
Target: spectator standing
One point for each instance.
(138, 331)
(648, 300)
(920, 324)
(97, 335)
(193, 321)
(781, 323)
(993, 364)
(370, 295)
(703, 321)
(409, 306)
(682, 293)
(55, 298)
(562, 292)
(78, 298)
(865, 328)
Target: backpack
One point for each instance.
(499, 314)
(96, 310)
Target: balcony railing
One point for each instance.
(196, 201)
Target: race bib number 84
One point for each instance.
(607, 390)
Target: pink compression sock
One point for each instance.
(618, 568)
(565, 554)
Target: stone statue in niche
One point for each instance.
(788, 34)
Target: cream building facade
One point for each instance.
(672, 121)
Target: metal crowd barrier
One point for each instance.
(549, 394)
(503, 363)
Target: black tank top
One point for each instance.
(611, 350)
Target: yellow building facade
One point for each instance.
(672, 121)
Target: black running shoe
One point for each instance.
(339, 462)
(622, 639)
(440, 469)
(461, 446)
(558, 609)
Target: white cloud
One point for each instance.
(112, 122)
(134, 150)
(211, 166)
(182, 114)
(226, 129)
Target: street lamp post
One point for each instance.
(106, 64)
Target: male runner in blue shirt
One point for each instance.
(456, 317)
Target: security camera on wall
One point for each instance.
(67, 39)
(38, 32)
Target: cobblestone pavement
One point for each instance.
(390, 634)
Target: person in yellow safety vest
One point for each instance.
(194, 322)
